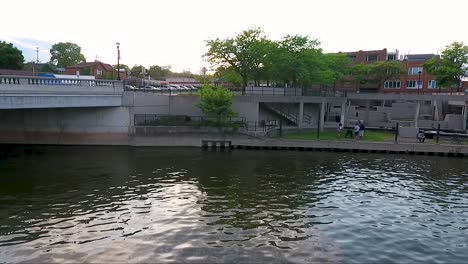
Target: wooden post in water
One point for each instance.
(438, 133)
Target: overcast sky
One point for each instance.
(173, 32)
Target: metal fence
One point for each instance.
(204, 121)
(185, 120)
(263, 126)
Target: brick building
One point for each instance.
(367, 56)
(414, 80)
(96, 68)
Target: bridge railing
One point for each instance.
(48, 85)
(32, 80)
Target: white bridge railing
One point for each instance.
(19, 84)
(31, 80)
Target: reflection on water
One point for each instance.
(118, 204)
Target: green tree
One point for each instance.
(374, 75)
(216, 102)
(295, 60)
(333, 67)
(451, 68)
(228, 75)
(123, 67)
(47, 68)
(10, 57)
(158, 72)
(244, 53)
(138, 71)
(66, 54)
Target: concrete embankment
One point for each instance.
(233, 141)
(239, 141)
(355, 146)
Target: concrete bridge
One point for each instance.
(17, 92)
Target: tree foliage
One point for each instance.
(228, 75)
(216, 102)
(10, 57)
(66, 54)
(294, 60)
(244, 53)
(158, 72)
(123, 67)
(374, 75)
(138, 71)
(451, 68)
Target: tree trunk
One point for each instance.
(244, 84)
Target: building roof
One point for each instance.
(420, 57)
(106, 66)
(16, 72)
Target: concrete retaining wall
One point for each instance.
(65, 125)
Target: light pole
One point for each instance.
(419, 80)
(118, 61)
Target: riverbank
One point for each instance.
(242, 141)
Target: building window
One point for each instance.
(415, 70)
(392, 84)
(352, 57)
(371, 57)
(391, 57)
(98, 72)
(413, 85)
(432, 84)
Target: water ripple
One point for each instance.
(183, 205)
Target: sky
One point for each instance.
(174, 32)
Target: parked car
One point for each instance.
(174, 87)
(185, 88)
(152, 88)
(193, 88)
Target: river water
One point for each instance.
(123, 204)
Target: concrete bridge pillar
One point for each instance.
(465, 115)
(366, 116)
(343, 112)
(436, 110)
(322, 115)
(301, 115)
(416, 114)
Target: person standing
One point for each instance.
(356, 131)
(361, 129)
(338, 129)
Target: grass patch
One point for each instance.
(369, 135)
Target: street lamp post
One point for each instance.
(118, 61)
(419, 80)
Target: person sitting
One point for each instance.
(420, 136)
